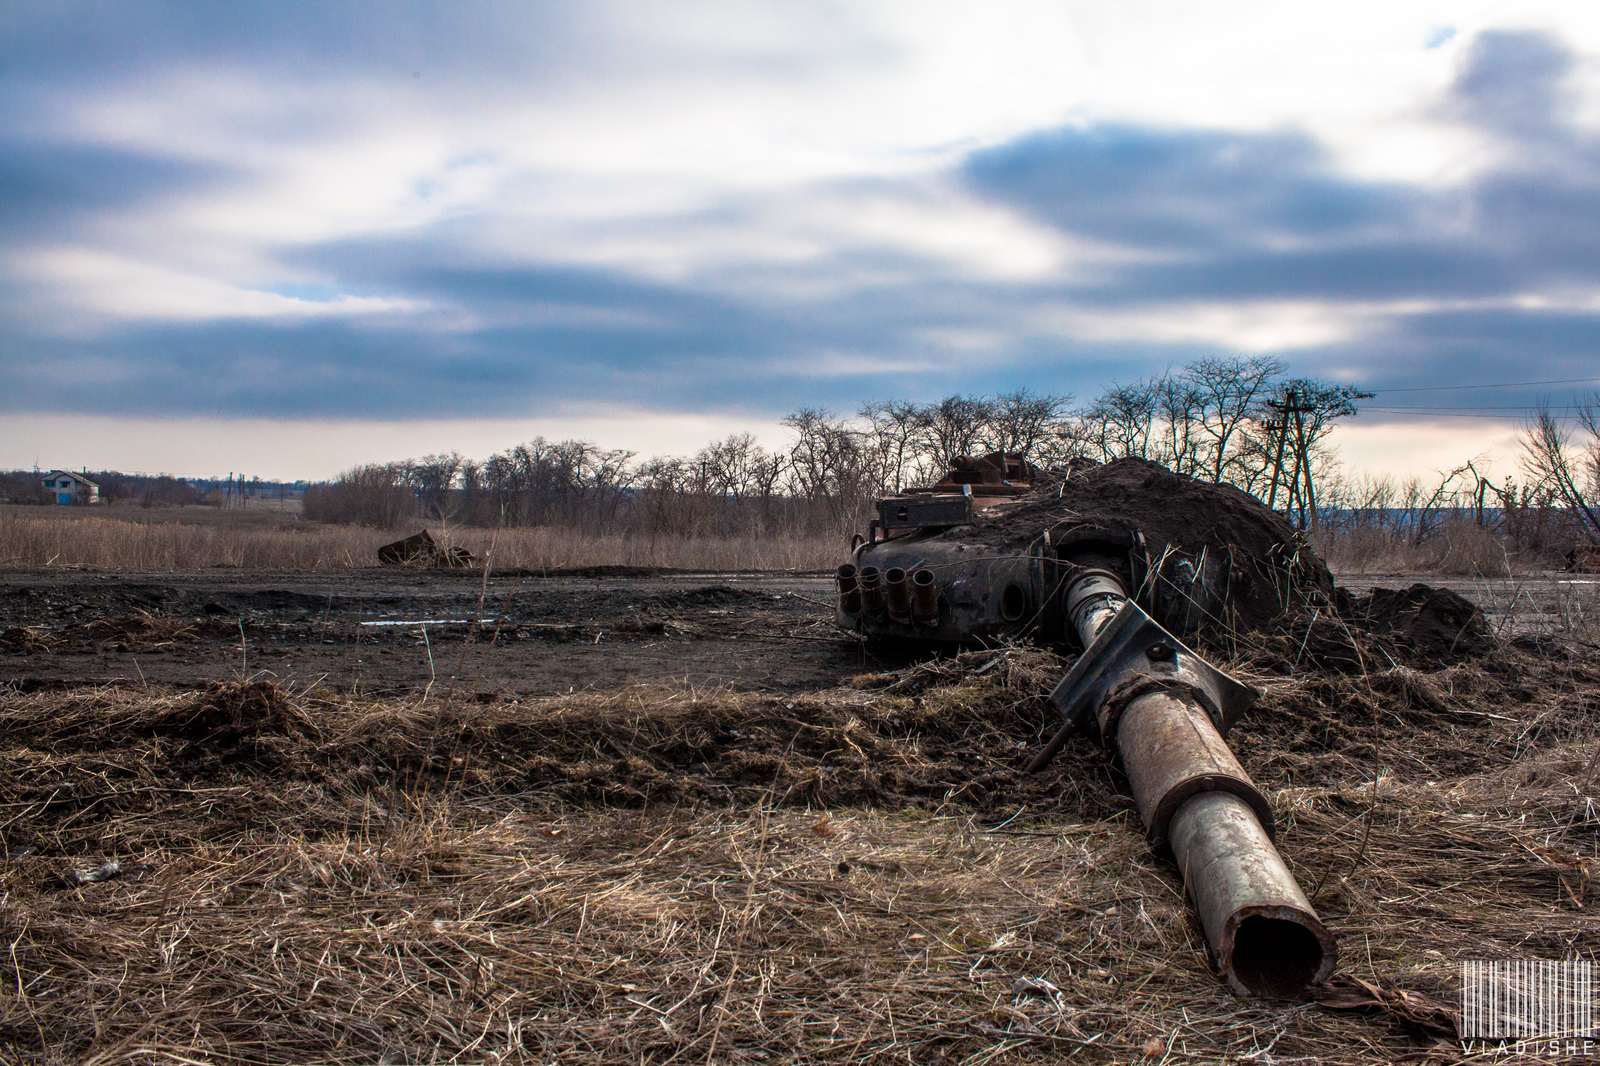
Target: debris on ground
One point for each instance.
(1427, 1015)
(1584, 559)
(420, 549)
(26, 639)
(106, 871)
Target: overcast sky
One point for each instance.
(285, 238)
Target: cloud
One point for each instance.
(1405, 282)
(1180, 191)
(271, 212)
(82, 280)
(1516, 85)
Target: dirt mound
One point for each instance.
(707, 596)
(228, 716)
(1421, 627)
(962, 744)
(26, 639)
(947, 733)
(1262, 566)
(588, 572)
(271, 600)
(1434, 625)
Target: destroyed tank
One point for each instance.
(987, 552)
(1128, 564)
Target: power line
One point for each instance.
(1496, 385)
(1459, 413)
(1500, 408)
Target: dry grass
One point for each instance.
(137, 543)
(664, 875)
(260, 514)
(1458, 548)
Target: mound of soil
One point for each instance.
(708, 596)
(610, 570)
(271, 600)
(228, 715)
(1434, 626)
(1421, 627)
(1263, 565)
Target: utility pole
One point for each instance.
(1299, 491)
(1308, 508)
(1280, 425)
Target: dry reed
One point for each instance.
(117, 544)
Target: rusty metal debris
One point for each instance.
(1136, 686)
(420, 549)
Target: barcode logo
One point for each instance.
(1526, 999)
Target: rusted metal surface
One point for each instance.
(872, 601)
(897, 589)
(924, 597)
(849, 589)
(1133, 654)
(976, 594)
(936, 511)
(1093, 599)
(1267, 939)
(1171, 752)
(998, 474)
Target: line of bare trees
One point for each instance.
(1213, 419)
(1238, 421)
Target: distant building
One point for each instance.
(68, 489)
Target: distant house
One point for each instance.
(68, 489)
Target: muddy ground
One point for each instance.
(388, 632)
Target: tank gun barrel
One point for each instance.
(1164, 708)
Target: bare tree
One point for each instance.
(828, 467)
(1121, 420)
(1180, 413)
(1549, 459)
(1231, 391)
(951, 428)
(1207, 419)
(433, 481)
(1425, 518)
(1023, 423)
(891, 441)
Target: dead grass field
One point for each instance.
(1457, 548)
(270, 535)
(200, 538)
(669, 874)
